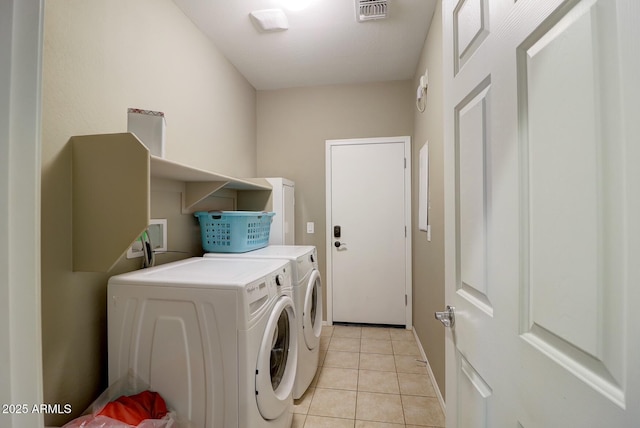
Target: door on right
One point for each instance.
(542, 201)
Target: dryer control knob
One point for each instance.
(279, 280)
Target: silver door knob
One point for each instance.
(448, 317)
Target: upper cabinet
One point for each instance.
(111, 194)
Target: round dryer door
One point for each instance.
(312, 315)
(277, 359)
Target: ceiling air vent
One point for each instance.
(371, 9)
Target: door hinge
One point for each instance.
(406, 300)
(405, 231)
(405, 163)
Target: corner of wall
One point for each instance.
(428, 256)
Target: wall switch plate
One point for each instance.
(157, 235)
(311, 227)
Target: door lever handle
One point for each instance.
(448, 317)
(340, 245)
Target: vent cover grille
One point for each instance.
(371, 9)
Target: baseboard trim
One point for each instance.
(430, 372)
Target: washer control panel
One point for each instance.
(259, 292)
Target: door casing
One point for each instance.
(21, 41)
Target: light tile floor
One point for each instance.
(369, 377)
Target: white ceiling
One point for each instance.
(323, 45)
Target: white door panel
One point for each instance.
(541, 186)
(472, 148)
(368, 201)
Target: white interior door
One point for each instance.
(542, 203)
(367, 193)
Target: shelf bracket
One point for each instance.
(196, 191)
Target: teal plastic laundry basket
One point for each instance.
(234, 231)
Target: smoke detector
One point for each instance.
(367, 10)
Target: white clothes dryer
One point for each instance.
(307, 297)
(216, 338)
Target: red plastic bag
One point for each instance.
(136, 408)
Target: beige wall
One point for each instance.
(428, 257)
(101, 57)
(293, 125)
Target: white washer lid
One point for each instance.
(204, 272)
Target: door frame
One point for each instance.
(329, 144)
(21, 35)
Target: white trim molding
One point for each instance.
(21, 33)
(430, 372)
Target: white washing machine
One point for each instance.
(307, 297)
(216, 338)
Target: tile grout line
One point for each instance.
(355, 411)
